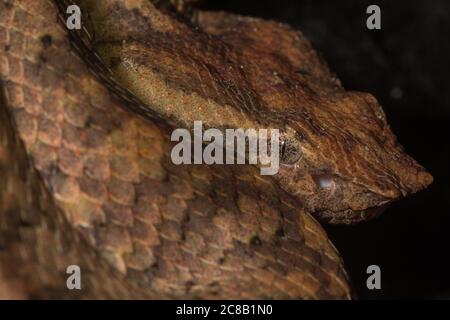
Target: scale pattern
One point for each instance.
(84, 182)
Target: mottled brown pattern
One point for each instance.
(343, 163)
(90, 184)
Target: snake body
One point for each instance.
(87, 182)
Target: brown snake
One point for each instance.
(85, 182)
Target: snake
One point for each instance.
(87, 179)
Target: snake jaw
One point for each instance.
(350, 217)
(333, 199)
(356, 187)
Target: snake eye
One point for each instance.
(289, 151)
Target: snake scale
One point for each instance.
(85, 168)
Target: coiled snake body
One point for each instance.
(84, 182)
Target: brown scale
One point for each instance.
(84, 182)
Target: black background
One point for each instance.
(406, 66)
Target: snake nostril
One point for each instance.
(280, 232)
(255, 241)
(46, 40)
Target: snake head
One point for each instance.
(338, 154)
(347, 167)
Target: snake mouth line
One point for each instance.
(350, 217)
